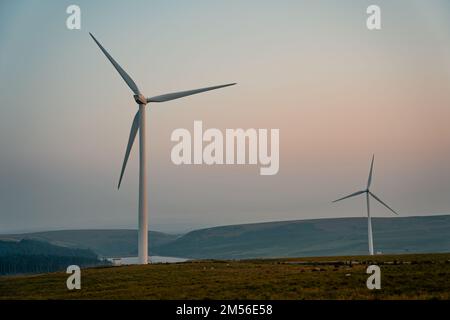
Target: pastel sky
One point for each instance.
(337, 91)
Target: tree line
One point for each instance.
(31, 256)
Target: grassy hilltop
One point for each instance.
(422, 276)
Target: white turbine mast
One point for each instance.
(368, 195)
(139, 124)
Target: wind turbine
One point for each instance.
(139, 124)
(368, 194)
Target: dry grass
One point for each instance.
(424, 276)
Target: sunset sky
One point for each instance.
(337, 91)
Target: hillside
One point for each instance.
(403, 277)
(107, 243)
(322, 237)
(33, 247)
(31, 256)
(302, 238)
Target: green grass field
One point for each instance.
(424, 276)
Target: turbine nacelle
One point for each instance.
(367, 191)
(140, 99)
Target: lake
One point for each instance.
(152, 259)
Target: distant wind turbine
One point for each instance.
(139, 124)
(368, 194)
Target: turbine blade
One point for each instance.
(119, 69)
(177, 95)
(134, 129)
(369, 181)
(384, 204)
(352, 195)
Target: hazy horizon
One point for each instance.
(338, 93)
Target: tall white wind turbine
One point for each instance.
(368, 194)
(139, 124)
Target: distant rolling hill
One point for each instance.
(322, 237)
(107, 243)
(301, 238)
(32, 247)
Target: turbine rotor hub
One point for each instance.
(140, 99)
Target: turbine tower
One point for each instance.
(139, 124)
(368, 195)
